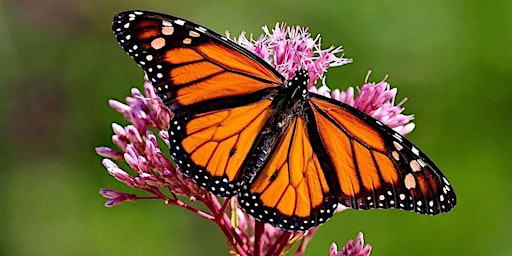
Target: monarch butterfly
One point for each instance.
(291, 157)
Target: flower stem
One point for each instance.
(280, 244)
(224, 223)
(258, 232)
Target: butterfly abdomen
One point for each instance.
(288, 103)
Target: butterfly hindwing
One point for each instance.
(291, 190)
(211, 147)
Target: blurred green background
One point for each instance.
(60, 64)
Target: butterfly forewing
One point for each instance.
(215, 88)
(182, 58)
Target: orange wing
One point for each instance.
(211, 147)
(189, 64)
(291, 191)
(218, 91)
(376, 167)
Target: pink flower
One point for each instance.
(352, 248)
(116, 197)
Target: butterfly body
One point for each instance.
(288, 103)
(291, 157)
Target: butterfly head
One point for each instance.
(298, 85)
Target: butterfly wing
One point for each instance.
(292, 189)
(218, 91)
(376, 167)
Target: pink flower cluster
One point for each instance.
(352, 248)
(289, 49)
(376, 100)
(292, 48)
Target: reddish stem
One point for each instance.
(224, 223)
(175, 201)
(258, 232)
(280, 243)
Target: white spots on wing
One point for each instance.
(201, 29)
(187, 40)
(415, 151)
(397, 136)
(422, 164)
(149, 57)
(158, 43)
(446, 189)
(166, 23)
(179, 22)
(138, 12)
(127, 25)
